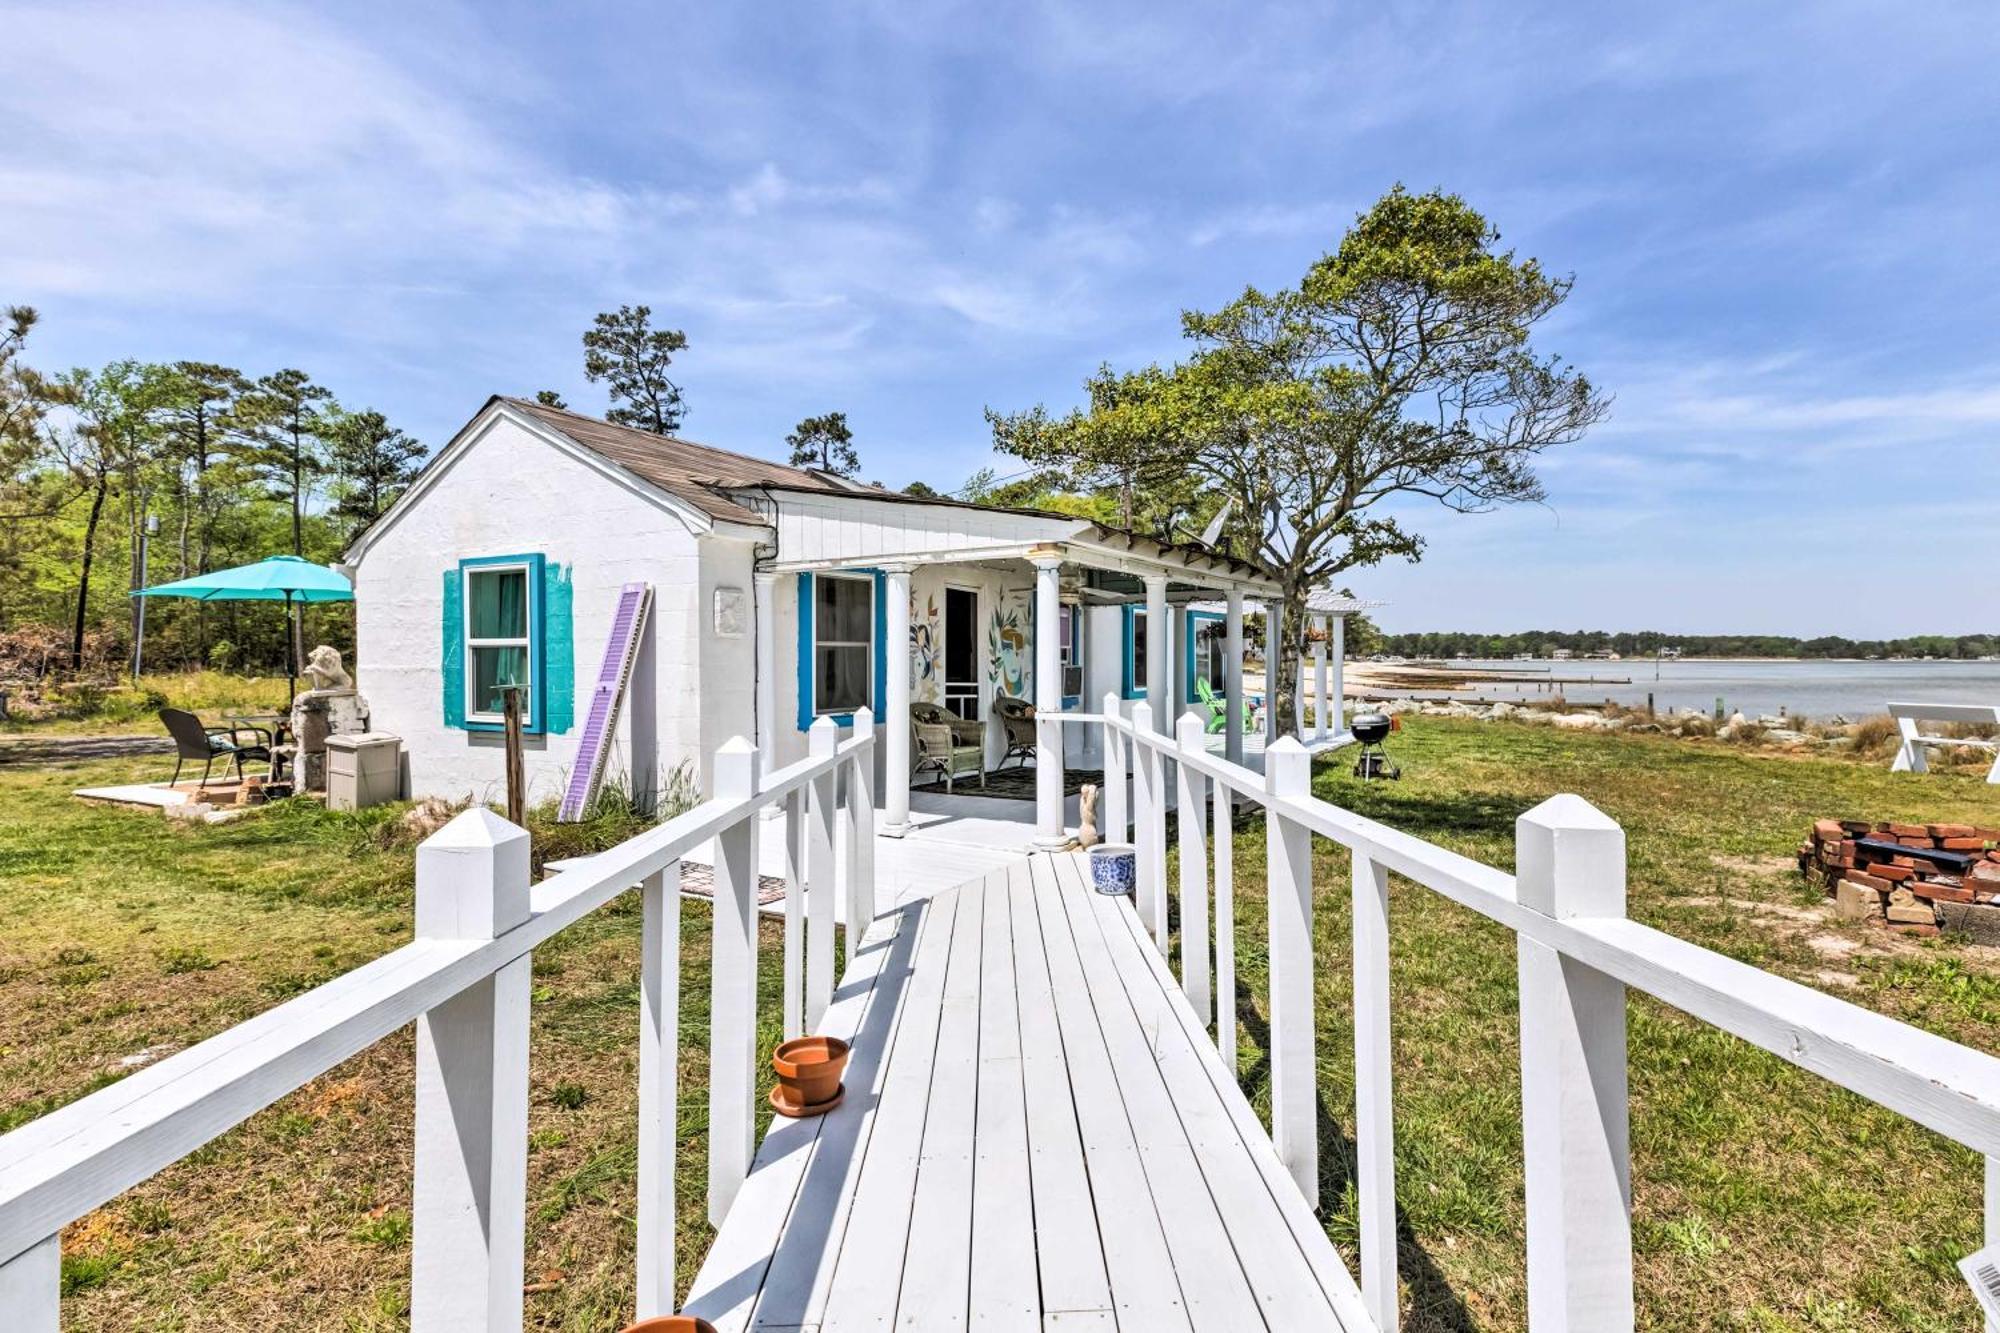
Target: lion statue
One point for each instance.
(325, 671)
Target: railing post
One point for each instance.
(1225, 927)
(659, 1096)
(1117, 823)
(1374, 1106)
(1992, 1216)
(1570, 862)
(1048, 701)
(31, 1288)
(1192, 804)
(822, 741)
(732, 1010)
(792, 1005)
(1294, 1091)
(469, 1198)
(1150, 835)
(861, 831)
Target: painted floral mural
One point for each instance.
(926, 652)
(1009, 659)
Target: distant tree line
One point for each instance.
(1646, 643)
(222, 467)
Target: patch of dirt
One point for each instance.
(1833, 946)
(1763, 867)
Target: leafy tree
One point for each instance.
(826, 444)
(197, 404)
(1399, 367)
(286, 414)
(624, 349)
(375, 462)
(112, 440)
(550, 398)
(923, 491)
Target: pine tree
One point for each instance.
(825, 444)
(623, 348)
(375, 462)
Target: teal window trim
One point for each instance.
(536, 720)
(1191, 622)
(880, 685)
(1129, 684)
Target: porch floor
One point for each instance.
(1037, 1134)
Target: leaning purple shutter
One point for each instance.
(629, 622)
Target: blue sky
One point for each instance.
(1780, 220)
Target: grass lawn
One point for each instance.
(1764, 1199)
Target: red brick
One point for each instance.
(1962, 844)
(1827, 830)
(1916, 840)
(1867, 881)
(1860, 828)
(1983, 873)
(1897, 873)
(1910, 830)
(1950, 830)
(1939, 891)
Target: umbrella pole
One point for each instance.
(291, 651)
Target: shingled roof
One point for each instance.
(700, 474)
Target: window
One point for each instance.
(1135, 652)
(843, 644)
(501, 626)
(1207, 652)
(1070, 621)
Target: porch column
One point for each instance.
(766, 590)
(1159, 655)
(1273, 654)
(1339, 674)
(1321, 730)
(896, 703)
(1232, 679)
(1048, 701)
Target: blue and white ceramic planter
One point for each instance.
(1113, 867)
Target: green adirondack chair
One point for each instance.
(1217, 706)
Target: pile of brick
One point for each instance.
(1915, 878)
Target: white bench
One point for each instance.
(1910, 757)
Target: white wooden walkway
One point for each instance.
(1037, 1134)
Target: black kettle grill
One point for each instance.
(1371, 729)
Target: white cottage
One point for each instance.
(779, 596)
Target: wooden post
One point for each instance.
(469, 1205)
(792, 1005)
(1048, 703)
(1225, 926)
(1191, 801)
(822, 741)
(1294, 1108)
(517, 787)
(1374, 1107)
(732, 1011)
(1150, 809)
(1117, 822)
(1575, 1136)
(659, 1099)
(861, 831)
(31, 1286)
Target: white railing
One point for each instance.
(1577, 956)
(464, 981)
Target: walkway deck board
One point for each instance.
(1037, 1135)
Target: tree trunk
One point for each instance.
(1283, 644)
(83, 580)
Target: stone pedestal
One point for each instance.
(317, 714)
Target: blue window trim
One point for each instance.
(1191, 621)
(536, 720)
(1129, 686)
(805, 663)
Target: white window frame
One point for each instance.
(526, 642)
(868, 643)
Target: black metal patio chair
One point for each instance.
(195, 739)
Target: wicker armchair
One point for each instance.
(1017, 719)
(943, 743)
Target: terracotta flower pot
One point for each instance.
(809, 1070)
(671, 1323)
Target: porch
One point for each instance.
(994, 628)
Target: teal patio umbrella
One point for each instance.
(289, 579)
